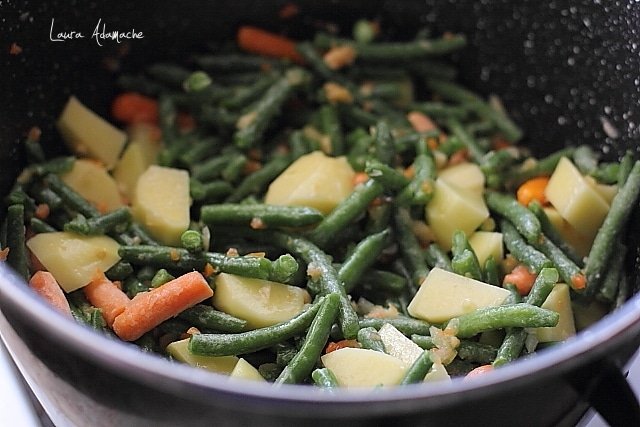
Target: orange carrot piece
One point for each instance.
(522, 278)
(105, 295)
(42, 211)
(131, 107)
(578, 282)
(288, 11)
(4, 253)
(533, 189)
(45, 285)
(360, 178)
(339, 57)
(261, 42)
(149, 309)
(479, 371)
(333, 346)
(420, 121)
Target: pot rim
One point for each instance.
(115, 356)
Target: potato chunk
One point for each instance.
(88, 134)
(464, 175)
(452, 209)
(221, 364)
(137, 157)
(559, 300)
(314, 180)
(358, 367)
(161, 203)
(398, 345)
(74, 259)
(486, 244)
(94, 183)
(259, 302)
(444, 295)
(245, 370)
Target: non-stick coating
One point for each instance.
(567, 72)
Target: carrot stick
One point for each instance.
(149, 309)
(522, 278)
(105, 295)
(479, 371)
(261, 42)
(420, 121)
(45, 285)
(131, 107)
(533, 189)
(360, 178)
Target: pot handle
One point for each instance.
(609, 393)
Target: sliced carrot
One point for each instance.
(149, 309)
(4, 253)
(105, 295)
(360, 178)
(420, 121)
(333, 346)
(533, 189)
(131, 107)
(522, 278)
(45, 285)
(479, 371)
(578, 282)
(42, 211)
(339, 57)
(458, 157)
(288, 11)
(262, 42)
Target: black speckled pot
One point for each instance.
(568, 73)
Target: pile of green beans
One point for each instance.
(362, 262)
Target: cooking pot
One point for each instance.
(566, 71)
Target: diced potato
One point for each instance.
(438, 372)
(94, 183)
(259, 302)
(398, 345)
(453, 208)
(486, 244)
(559, 300)
(245, 370)
(464, 175)
(88, 134)
(161, 203)
(314, 180)
(359, 367)
(137, 157)
(74, 259)
(444, 295)
(576, 201)
(579, 242)
(608, 192)
(179, 350)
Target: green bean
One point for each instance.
(161, 277)
(624, 289)
(70, 197)
(246, 95)
(569, 271)
(503, 316)
(32, 146)
(259, 215)
(522, 251)
(39, 226)
(626, 164)
(389, 177)
(259, 180)
(232, 62)
(437, 257)
(57, 165)
(198, 151)
(141, 234)
(363, 256)
(317, 64)
(305, 360)
(330, 126)
(346, 211)
(542, 286)
(418, 370)
(384, 145)
(17, 256)
(475, 151)
(251, 341)
(119, 271)
(42, 194)
(369, 338)
(207, 317)
(491, 271)
(196, 81)
(543, 167)
(585, 159)
(601, 250)
(210, 191)
(364, 31)
(420, 189)
(522, 218)
(421, 48)
(133, 286)
(192, 241)
(425, 342)
(607, 173)
(356, 116)
(211, 168)
(409, 246)
(553, 234)
(476, 352)
(383, 281)
(432, 68)
(169, 74)
(101, 224)
(252, 125)
(300, 145)
(217, 117)
(323, 377)
(439, 110)
(233, 169)
(283, 269)
(466, 264)
(611, 282)
(407, 325)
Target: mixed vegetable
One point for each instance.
(335, 211)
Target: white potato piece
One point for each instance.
(137, 157)
(444, 295)
(260, 302)
(88, 134)
(559, 300)
(93, 182)
(438, 372)
(74, 259)
(464, 175)
(314, 180)
(358, 367)
(486, 244)
(453, 208)
(245, 371)
(179, 350)
(161, 203)
(579, 242)
(398, 345)
(579, 203)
